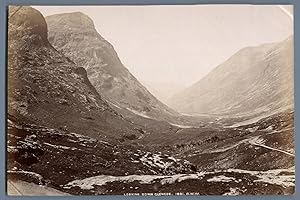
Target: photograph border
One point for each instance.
(3, 86)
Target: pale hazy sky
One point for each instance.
(180, 44)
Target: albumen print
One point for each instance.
(150, 100)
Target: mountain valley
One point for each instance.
(80, 123)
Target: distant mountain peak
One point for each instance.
(258, 78)
(74, 20)
(87, 48)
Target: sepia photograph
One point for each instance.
(150, 100)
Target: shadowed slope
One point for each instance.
(47, 88)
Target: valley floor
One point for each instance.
(256, 158)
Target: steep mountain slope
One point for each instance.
(75, 36)
(254, 79)
(48, 89)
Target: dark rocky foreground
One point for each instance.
(55, 157)
(80, 165)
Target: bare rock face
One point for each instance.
(75, 36)
(47, 88)
(27, 24)
(255, 79)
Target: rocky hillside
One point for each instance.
(252, 159)
(255, 79)
(75, 36)
(47, 88)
